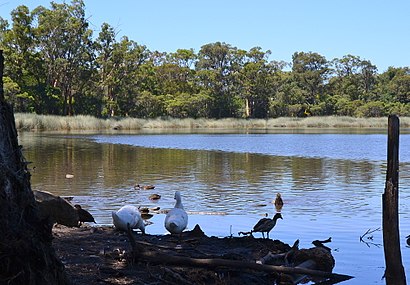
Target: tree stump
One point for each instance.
(27, 255)
(394, 272)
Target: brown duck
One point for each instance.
(144, 187)
(278, 202)
(265, 225)
(154, 197)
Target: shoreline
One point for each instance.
(96, 255)
(40, 123)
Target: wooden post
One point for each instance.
(394, 272)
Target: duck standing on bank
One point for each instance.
(128, 214)
(176, 219)
(83, 215)
(265, 225)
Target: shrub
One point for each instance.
(372, 109)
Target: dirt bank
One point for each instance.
(102, 255)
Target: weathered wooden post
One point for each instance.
(394, 272)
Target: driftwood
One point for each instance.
(142, 253)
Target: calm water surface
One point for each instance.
(331, 184)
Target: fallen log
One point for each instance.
(155, 257)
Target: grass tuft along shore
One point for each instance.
(34, 122)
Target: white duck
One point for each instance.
(176, 219)
(128, 215)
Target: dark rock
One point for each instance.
(56, 209)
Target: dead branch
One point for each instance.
(368, 232)
(369, 237)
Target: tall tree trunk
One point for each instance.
(70, 103)
(247, 108)
(394, 272)
(27, 256)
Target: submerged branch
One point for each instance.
(368, 235)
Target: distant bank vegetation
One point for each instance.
(56, 64)
(33, 122)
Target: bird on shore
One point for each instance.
(176, 219)
(278, 202)
(128, 214)
(83, 215)
(144, 187)
(265, 225)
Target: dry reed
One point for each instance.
(33, 122)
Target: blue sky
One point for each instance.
(374, 30)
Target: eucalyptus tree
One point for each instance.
(25, 74)
(289, 99)
(311, 71)
(176, 74)
(368, 78)
(214, 70)
(256, 82)
(65, 42)
(354, 78)
(106, 67)
(394, 85)
(346, 82)
(131, 74)
(177, 81)
(184, 58)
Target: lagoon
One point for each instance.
(331, 183)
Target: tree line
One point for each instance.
(55, 65)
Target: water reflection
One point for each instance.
(324, 196)
(359, 147)
(209, 179)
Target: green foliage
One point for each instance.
(372, 109)
(278, 109)
(148, 105)
(186, 105)
(399, 109)
(310, 71)
(54, 65)
(13, 94)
